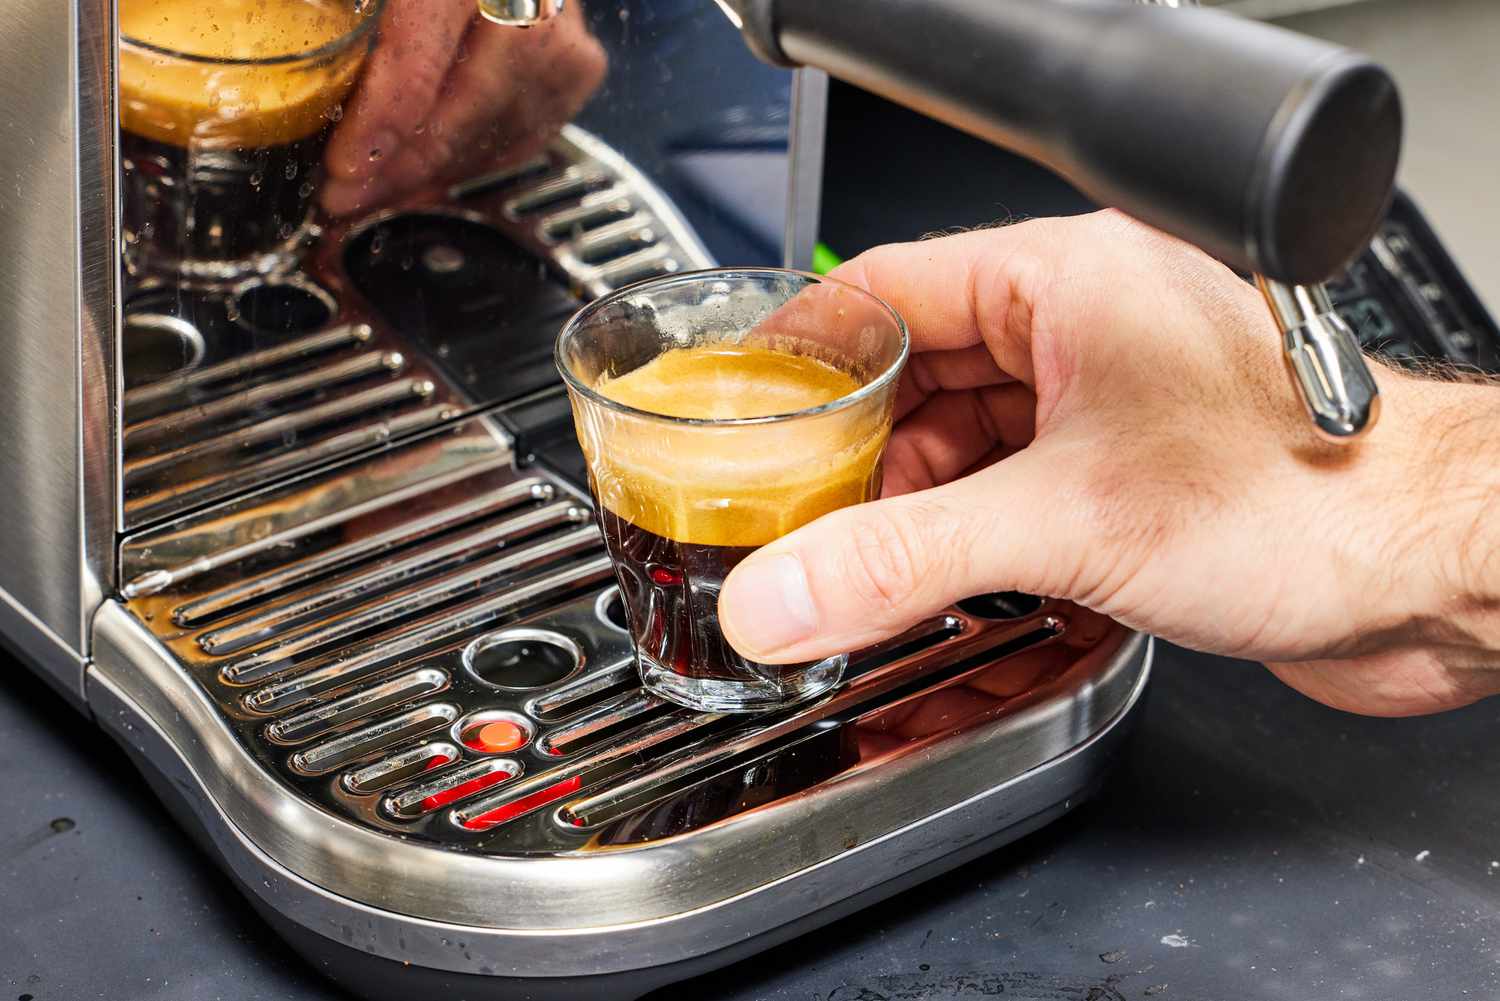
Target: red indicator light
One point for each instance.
(438, 800)
(495, 736)
(514, 809)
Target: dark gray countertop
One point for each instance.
(1253, 845)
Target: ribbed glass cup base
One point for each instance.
(781, 686)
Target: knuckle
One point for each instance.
(591, 63)
(423, 82)
(1146, 496)
(882, 566)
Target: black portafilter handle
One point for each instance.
(1275, 152)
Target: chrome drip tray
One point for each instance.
(372, 647)
(401, 685)
(358, 649)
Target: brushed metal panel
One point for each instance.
(98, 432)
(805, 170)
(57, 278)
(39, 553)
(22, 634)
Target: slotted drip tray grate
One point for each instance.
(229, 390)
(427, 641)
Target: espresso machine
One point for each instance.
(298, 514)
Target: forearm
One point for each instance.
(1454, 535)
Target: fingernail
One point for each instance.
(768, 605)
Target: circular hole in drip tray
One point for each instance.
(1000, 605)
(284, 307)
(611, 610)
(155, 345)
(519, 659)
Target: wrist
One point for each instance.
(1450, 485)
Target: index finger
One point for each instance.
(961, 291)
(418, 44)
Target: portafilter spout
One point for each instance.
(1275, 152)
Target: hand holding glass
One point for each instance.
(718, 411)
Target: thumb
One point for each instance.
(865, 573)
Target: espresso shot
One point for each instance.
(224, 116)
(714, 424)
(676, 528)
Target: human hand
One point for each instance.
(1097, 412)
(446, 94)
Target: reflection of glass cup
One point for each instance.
(688, 488)
(225, 109)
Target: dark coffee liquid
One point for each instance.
(682, 504)
(671, 594)
(216, 204)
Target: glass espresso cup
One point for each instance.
(225, 109)
(718, 411)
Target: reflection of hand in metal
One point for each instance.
(446, 94)
(953, 708)
(1006, 686)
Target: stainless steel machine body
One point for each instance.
(315, 544)
(267, 534)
